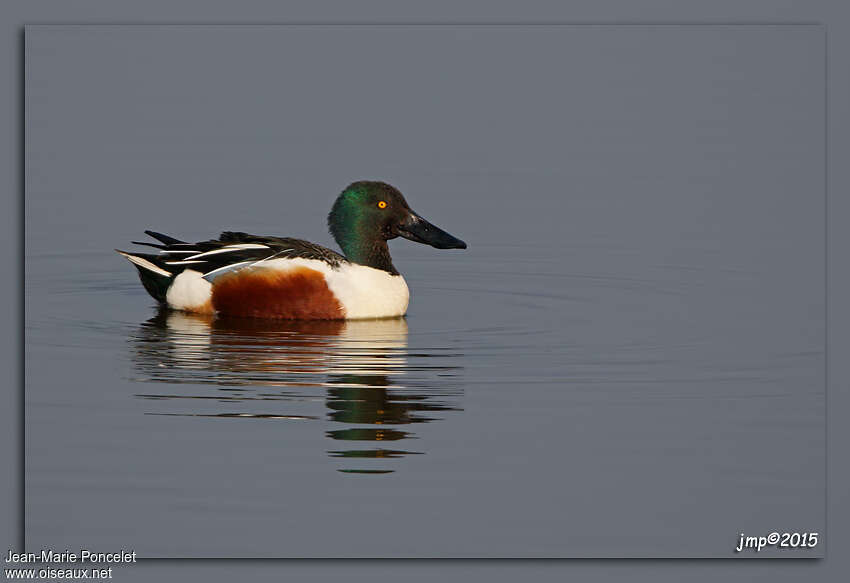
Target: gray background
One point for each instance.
(621, 353)
(784, 11)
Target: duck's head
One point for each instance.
(368, 214)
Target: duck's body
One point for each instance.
(272, 277)
(267, 277)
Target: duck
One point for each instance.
(244, 275)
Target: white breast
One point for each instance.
(365, 292)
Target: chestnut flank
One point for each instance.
(299, 293)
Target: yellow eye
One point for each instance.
(382, 205)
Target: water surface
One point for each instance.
(541, 400)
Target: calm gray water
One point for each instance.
(519, 410)
(627, 361)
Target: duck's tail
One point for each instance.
(155, 278)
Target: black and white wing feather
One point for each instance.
(231, 251)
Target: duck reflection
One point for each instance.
(362, 371)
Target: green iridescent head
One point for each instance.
(368, 214)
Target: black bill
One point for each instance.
(418, 229)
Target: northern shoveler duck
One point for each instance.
(278, 277)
